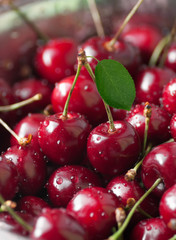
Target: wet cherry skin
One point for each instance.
(113, 153)
(85, 98)
(150, 82)
(57, 224)
(153, 228)
(31, 205)
(31, 167)
(55, 60)
(8, 179)
(159, 122)
(28, 125)
(167, 207)
(169, 96)
(68, 180)
(94, 208)
(173, 126)
(64, 140)
(160, 163)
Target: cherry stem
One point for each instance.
(17, 218)
(173, 238)
(166, 48)
(64, 115)
(140, 162)
(15, 106)
(126, 20)
(33, 26)
(147, 114)
(21, 140)
(96, 18)
(117, 234)
(144, 213)
(83, 60)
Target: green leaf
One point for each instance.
(115, 84)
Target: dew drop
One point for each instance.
(59, 180)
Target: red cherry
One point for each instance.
(167, 207)
(125, 190)
(30, 165)
(57, 224)
(28, 88)
(145, 37)
(68, 180)
(150, 83)
(94, 208)
(153, 228)
(64, 140)
(31, 205)
(29, 125)
(85, 98)
(173, 127)
(160, 163)
(55, 60)
(8, 179)
(159, 122)
(113, 153)
(170, 61)
(169, 96)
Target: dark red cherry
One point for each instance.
(85, 98)
(57, 224)
(167, 207)
(125, 190)
(170, 61)
(68, 180)
(145, 37)
(31, 205)
(159, 122)
(94, 208)
(160, 163)
(173, 126)
(28, 88)
(10, 225)
(150, 82)
(169, 96)
(118, 114)
(113, 153)
(151, 229)
(64, 140)
(31, 167)
(8, 179)
(28, 125)
(55, 60)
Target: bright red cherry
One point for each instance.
(169, 96)
(125, 190)
(150, 82)
(151, 229)
(170, 61)
(160, 163)
(64, 140)
(145, 37)
(159, 122)
(31, 205)
(28, 125)
(68, 180)
(8, 179)
(55, 60)
(85, 98)
(57, 224)
(94, 208)
(31, 167)
(27, 88)
(113, 153)
(167, 207)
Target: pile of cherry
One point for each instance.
(68, 181)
